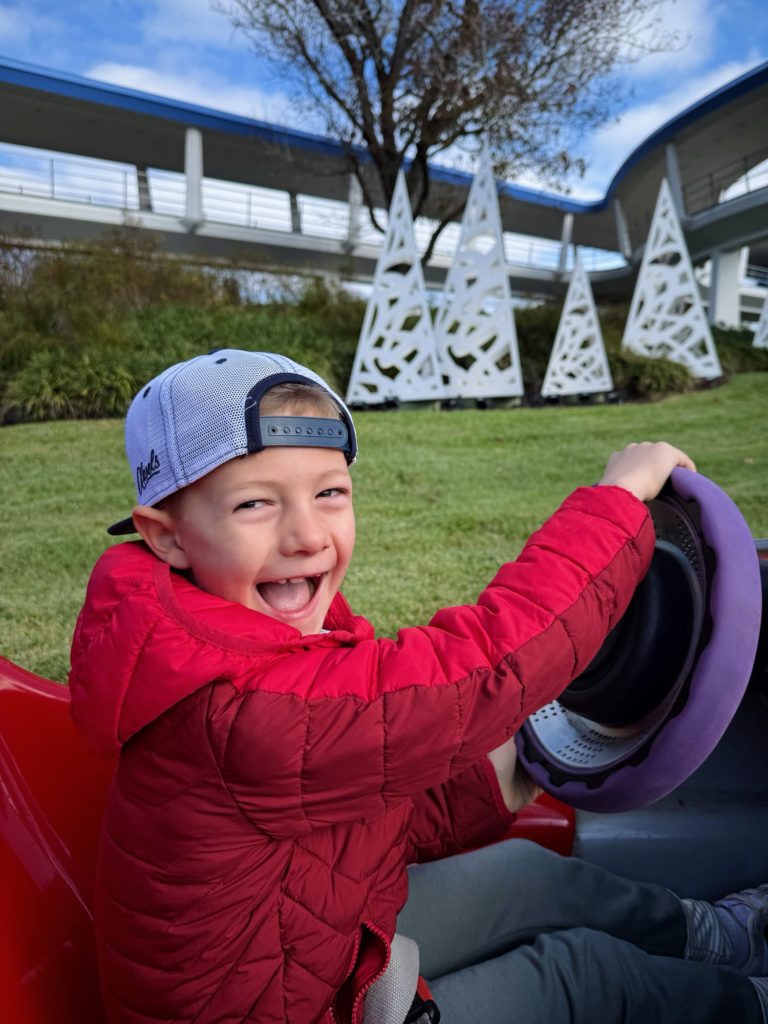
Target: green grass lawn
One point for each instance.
(442, 498)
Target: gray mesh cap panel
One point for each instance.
(191, 418)
(205, 408)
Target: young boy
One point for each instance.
(280, 767)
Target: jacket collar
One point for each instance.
(147, 638)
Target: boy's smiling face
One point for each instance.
(272, 531)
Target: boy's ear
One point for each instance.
(158, 529)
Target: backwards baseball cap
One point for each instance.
(196, 415)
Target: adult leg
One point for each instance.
(581, 976)
(473, 907)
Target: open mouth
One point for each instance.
(290, 594)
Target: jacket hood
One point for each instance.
(147, 637)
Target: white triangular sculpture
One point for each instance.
(578, 364)
(396, 358)
(475, 330)
(666, 317)
(761, 331)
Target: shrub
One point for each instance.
(65, 289)
(736, 351)
(333, 319)
(78, 338)
(83, 385)
(324, 339)
(69, 310)
(536, 330)
(639, 377)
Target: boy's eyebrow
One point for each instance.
(261, 481)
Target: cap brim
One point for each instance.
(121, 528)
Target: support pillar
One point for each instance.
(674, 179)
(743, 262)
(355, 200)
(142, 185)
(565, 241)
(193, 172)
(622, 231)
(724, 288)
(295, 213)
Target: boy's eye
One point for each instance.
(254, 503)
(332, 492)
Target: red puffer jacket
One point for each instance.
(272, 788)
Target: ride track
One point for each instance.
(148, 141)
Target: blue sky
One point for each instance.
(184, 49)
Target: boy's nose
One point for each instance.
(304, 532)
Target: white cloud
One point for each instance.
(612, 144)
(695, 24)
(201, 88)
(14, 26)
(187, 21)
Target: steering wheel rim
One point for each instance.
(603, 766)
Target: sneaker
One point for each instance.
(744, 915)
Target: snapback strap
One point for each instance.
(304, 431)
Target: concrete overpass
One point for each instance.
(283, 199)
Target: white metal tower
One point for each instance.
(578, 364)
(666, 317)
(475, 329)
(396, 358)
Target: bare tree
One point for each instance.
(402, 81)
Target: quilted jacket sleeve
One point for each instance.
(343, 733)
(465, 812)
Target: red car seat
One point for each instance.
(52, 793)
(51, 798)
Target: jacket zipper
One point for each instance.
(362, 992)
(353, 960)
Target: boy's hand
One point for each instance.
(644, 468)
(517, 787)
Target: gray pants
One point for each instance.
(515, 934)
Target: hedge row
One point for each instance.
(80, 333)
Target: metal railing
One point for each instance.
(102, 183)
(757, 274)
(735, 178)
(223, 202)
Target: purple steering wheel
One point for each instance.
(666, 683)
